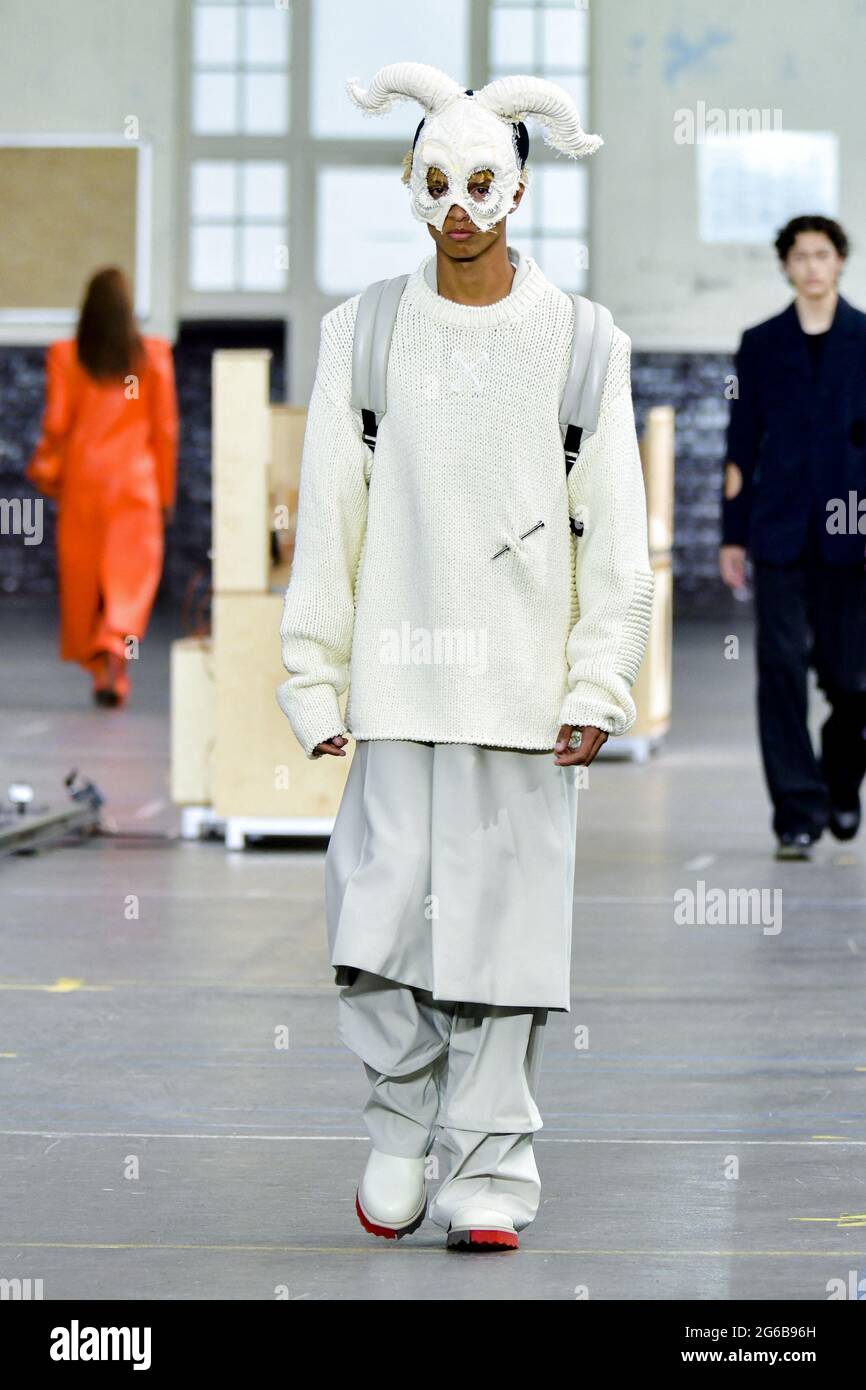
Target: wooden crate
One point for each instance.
(241, 460)
(193, 707)
(259, 769)
(657, 457)
(287, 440)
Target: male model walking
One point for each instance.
(794, 497)
(488, 611)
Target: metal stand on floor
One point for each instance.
(24, 829)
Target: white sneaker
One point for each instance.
(480, 1228)
(392, 1198)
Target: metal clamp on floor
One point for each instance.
(24, 829)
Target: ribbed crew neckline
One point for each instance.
(510, 309)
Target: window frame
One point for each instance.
(303, 303)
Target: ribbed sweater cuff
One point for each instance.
(313, 712)
(589, 703)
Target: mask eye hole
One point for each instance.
(437, 182)
(479, 184)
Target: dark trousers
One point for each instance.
(811, 614)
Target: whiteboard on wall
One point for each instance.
(750, 185)
(71, 205)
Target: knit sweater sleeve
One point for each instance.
(613, 580)
(319, 605)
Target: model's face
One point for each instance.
(813, 264)
(461, 239)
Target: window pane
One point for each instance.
(366, 229)
(263, 189)
(559, 197)
(565, 38)
(215, 34)
(211, 258)
(263, 251)
(350, 40)
(265, 103)
(213, 188)
(214, 103)
(562, 262)
(266, 37)
(511, 39)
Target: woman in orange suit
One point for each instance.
(108, 454)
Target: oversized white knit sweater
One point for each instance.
(440, 580)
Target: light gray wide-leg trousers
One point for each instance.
(463, 1073)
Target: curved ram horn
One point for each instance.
(404, 82)
(515, 98)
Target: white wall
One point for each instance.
(71, 66)
(651, 57)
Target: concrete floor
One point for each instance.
(148, 1043)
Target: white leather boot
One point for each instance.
(392, 1198)
(480, 1228)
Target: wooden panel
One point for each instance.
(193, 709)
(67, 211)
(259, 767)
(657, 456)
(287, 441)
(241, 462)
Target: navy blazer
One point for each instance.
(799, 442)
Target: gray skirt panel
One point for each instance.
(451, 868)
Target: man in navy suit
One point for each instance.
(794, 498)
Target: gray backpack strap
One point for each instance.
(374, 327)
(590, 351)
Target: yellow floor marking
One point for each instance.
(61, 986)
(844, 1222)
(165, 985)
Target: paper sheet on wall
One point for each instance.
(750, 185)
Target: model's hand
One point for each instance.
(732, 565)
(591, 740)
(334, 746)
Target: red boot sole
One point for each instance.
(388, 1232)
(482, 1240)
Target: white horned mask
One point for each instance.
(468, 147)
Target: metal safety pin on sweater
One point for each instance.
(522, 538)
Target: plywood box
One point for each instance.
(241, 463)
(288, 423)
(657, 457)
(193, 705)
(259, 767)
